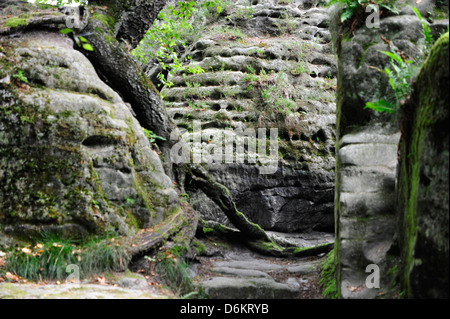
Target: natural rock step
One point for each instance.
(209, 79)
(242, 63)
(241, 105)
(256, 278)
(237, 272)
(246, 275)
(260, 265)
(213, 92)
(248, 288)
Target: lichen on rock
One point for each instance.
(74, 161)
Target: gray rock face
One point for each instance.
(73, 160)
(423, 195)
(367, 228)
(366, 207)
(288, 201)
(279, 74)
(360, 83)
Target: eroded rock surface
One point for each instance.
(267, 65)
(73, 159)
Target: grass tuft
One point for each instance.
(50, 258)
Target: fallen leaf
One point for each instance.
(12, 277)
(101, 280)
(355, 288)
(26, 250)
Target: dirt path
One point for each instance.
(234, 271)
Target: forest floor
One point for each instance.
(226, 270)
(233, 271)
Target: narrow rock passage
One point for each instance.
(275, 68)
(236, 272)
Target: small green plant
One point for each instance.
(19, 76)
(96, 204)
(199, 105)
(152, 137)
(287, 24)
(185, 196)
(425, 29)
(351, 7)
(327, 277)
(399, 80)
(229, 33)
(80, 40)
(299, 68)
(402, 72)
(129, 201)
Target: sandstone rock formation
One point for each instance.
(74, 160)
(272, 69)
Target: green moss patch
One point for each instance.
(328, 277)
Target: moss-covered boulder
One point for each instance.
(73, 159)
(423, 194)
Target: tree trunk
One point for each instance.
(115, 64)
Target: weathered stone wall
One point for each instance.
(257, 54)
(73, 159)
(423, 186)
(367, 157)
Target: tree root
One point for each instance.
(180, 228)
